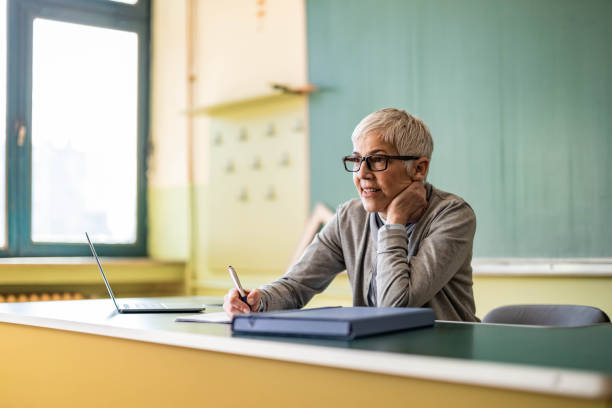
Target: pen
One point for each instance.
(234, 276)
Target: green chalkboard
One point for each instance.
(517, 94)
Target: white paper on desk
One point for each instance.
(218, 317)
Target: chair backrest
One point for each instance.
(547, 315)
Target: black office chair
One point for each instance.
(547, 315)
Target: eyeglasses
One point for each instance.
(375, 162)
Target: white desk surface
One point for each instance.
(99, 317)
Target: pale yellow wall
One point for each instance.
(168, 192)
(168, 163)
(494, 291)
(239, 54)
(237, 48)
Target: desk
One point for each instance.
(82, 353)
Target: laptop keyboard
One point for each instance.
(145, 306)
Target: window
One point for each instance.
(76, 126)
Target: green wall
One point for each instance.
(517, 94)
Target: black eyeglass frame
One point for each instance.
(345, 159)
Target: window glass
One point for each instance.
(84, 133)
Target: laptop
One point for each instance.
(143, 307)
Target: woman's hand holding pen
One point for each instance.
(233, 305)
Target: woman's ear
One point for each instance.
(419, 169)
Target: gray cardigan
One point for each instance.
(430, 269)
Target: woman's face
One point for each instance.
(378, 189)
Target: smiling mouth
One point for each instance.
(367, 192)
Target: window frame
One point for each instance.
(99, 13)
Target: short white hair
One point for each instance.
(409, 134)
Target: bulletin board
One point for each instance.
(255, 207)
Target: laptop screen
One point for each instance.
(110, 291)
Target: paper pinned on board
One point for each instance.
(217, 317)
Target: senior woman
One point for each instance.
(403, 243)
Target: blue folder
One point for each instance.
(333, 322)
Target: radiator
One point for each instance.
(35, 297)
